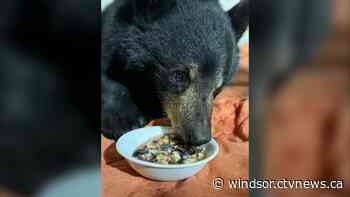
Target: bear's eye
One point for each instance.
(179, 81)
(179, 76)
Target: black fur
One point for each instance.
(147, 47)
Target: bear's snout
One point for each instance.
(196, 130)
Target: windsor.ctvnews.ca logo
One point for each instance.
(219, 184)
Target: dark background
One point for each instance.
(300, 87)
(49, 90)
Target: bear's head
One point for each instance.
(177, 54)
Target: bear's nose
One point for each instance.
(199, 141)
(198, 136)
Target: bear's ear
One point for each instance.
(239, 16)
(150, 9)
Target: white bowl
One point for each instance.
(129, 142)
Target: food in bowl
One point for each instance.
(133, 140)
(169, 149)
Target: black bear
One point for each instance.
(167, 58)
